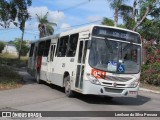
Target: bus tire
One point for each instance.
(38, 80)
(68, 91)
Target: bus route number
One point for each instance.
(98, 73)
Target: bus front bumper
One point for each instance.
(93, 89)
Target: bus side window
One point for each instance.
(62, 46)
(72, 45)
(41, 48)
(31, 50)
(46, 48)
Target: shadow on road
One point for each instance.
(140, 100)
(92, 99)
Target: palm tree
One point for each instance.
(107, 21)
(45, 27)
(115, 4)
(128, 14)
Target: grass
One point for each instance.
(8, 77)
(11, 60)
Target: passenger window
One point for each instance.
(46, 49)
(41, 48)
(31, 50)
(52, 52)
(62, 46)
(72, 45)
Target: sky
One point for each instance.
(67, 14)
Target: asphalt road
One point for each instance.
(43, 97)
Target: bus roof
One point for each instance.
(81, 29)
(90, 27)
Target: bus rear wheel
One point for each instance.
(68, 90)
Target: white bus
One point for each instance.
(96, 59)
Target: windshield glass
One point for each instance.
(114, 56)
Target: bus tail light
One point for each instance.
(134, 83)
(93, 79)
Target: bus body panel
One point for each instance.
(54, 71)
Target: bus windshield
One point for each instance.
(115, 56)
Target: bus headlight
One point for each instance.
(134, 84)
(93, 79)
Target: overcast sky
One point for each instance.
(66, 13)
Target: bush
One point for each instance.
(1, 46)
(151, 74)
(24, 47)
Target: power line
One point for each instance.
(79, 25)
(82, 24)
(77, 5)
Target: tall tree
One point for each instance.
(133, 17)
(126, 12)
(115, 4)
(107, 21)
(45, 27)
(146, 7)
(10, 9)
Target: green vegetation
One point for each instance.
(151, 69)
(24, 47)
(10, 9)
(11, 60)
(45, 27)
(9, 78)
(151, 74)
(1, 46)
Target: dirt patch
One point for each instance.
(151, 87)
(6, 87)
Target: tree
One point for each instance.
(1, 46)
(45, 27)
(107, 21)
(24, 48)
(126, 12)
(115, 4)
(146, 7)
(10, 9)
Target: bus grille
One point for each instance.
(120, 79)
(113, 90)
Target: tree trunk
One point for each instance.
(134, 9)
(116, 17)
(20, 46)
(145, 15)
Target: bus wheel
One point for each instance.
(68, 90)
(38, 78)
